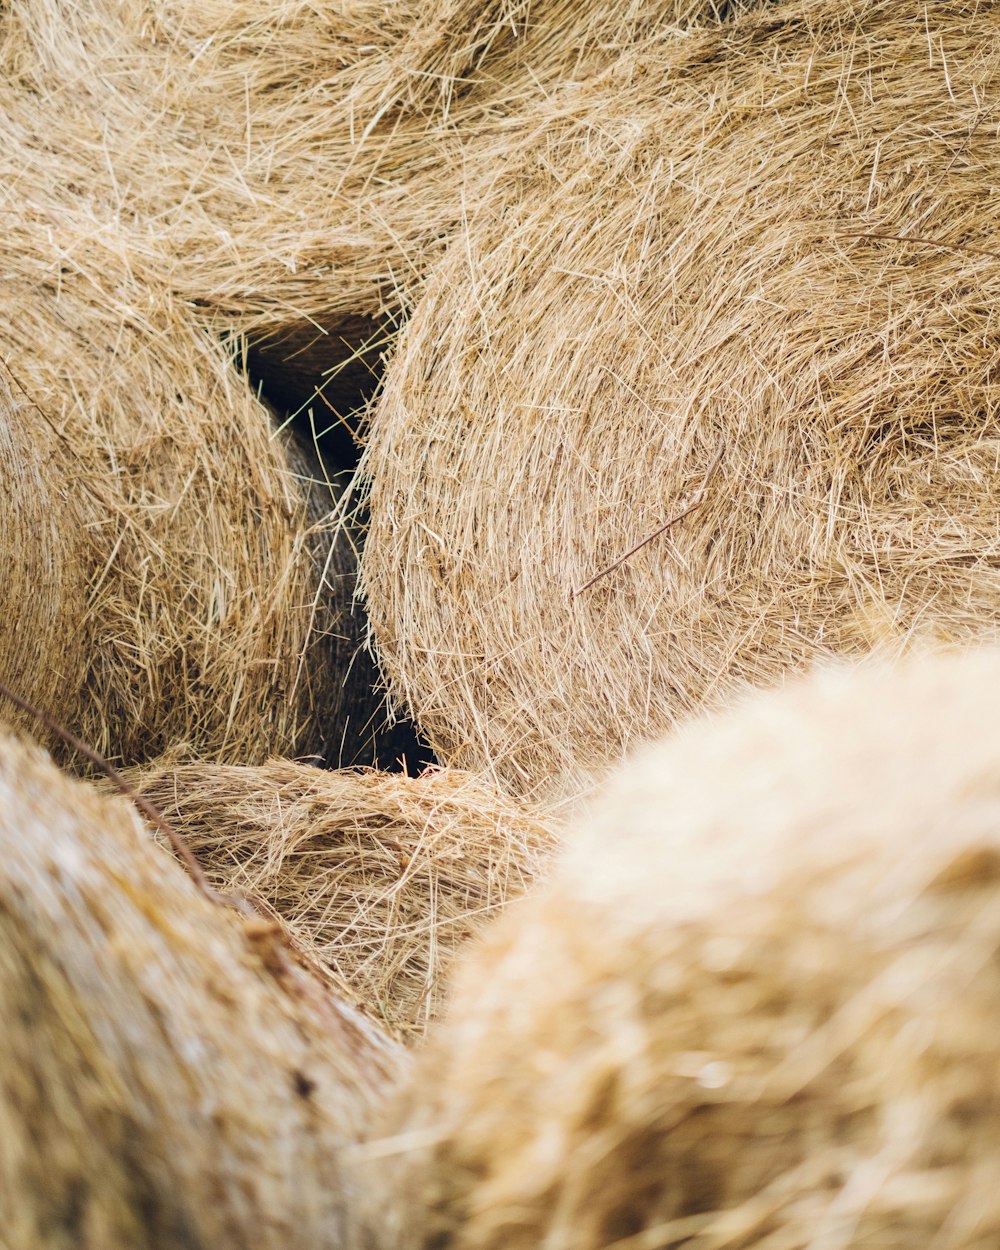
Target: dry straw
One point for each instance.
(284, 165)
(754, 1007)
(741, 297)
(175, 575)
(381, 878)
(170, 1077)
(168, 580)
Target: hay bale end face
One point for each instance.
(168, 1077)
(298, 161)
(739, 301)
(383, 879)
(754, 1006)
(177, 576)
(44, 558)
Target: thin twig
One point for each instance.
(183, 851)
(696, 502)
(911, 238)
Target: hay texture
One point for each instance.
(743, 297)
(168, 1078)
(283, 165)
(754, 1007)
(382, 878)
(177, 574)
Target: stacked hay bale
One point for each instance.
(170, 1077)
(705, 389)
(381, 878)
(755, 1005)
(182, 590)
(301, 163)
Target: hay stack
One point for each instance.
(42, 542)
(299, 163)
(168, 1077)
(173, 580)
(763, 255)
(756, 1005)
(381, 878)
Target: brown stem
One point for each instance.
(696, 502)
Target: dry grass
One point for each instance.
(169, 1078)
(284, 163)
(755, 1006)
(773, 243)
(381, 878)
(171, 579)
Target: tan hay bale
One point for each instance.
(176, 585)
(298, 160)
(754, 1007)
(700, 262)
(42, 542)
(382, 878)
(167, 1078)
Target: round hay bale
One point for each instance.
(706, 389)
(755, 1006)
(300, 161)
(174, 580)
(42, 543)
(381, 878)
(169, 1078)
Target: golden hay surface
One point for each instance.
(189, 582)
(768, 248)
(755, 1005)
(44, 558)
(382, 878)
(281, 162)
(166, 1080)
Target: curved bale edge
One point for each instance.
(300, 163)
(704, 390)
(169, 1076)
(755, 1005)
(383, 879)
(178, 570)
(43, 542)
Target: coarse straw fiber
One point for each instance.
(285, 165)
(381, 878)
(754, 1007)
(753, 280)
(170, 1076)
(169, 577)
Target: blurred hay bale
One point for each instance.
(169, 1078)
(764, 255)
(287, 163)
(755, 1005)
(382, 878)
(175, 578)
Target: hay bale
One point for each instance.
(168, 1077)
(172, 573)
(381, 878)
(755, 1005)
(765, 255)
(299, 161)
(42, 541)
